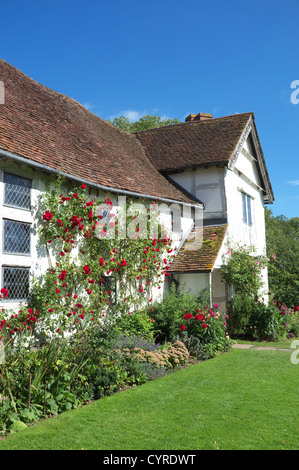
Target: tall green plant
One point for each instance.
(243, 270)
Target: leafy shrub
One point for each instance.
(167, 315)
(252, 318)
(243, 270)
(240, 309)
(204, 332)
(136, 323)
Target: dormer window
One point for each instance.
(247, 209)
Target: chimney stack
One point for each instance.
(198, 117)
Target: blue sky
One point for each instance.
(171, 58)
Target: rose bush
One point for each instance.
(204, 332)
(92, 274)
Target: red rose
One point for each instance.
(297, 308)
(204, 326)
(188, 316)
(182, 327)
(101, 261)
(47, 216)
(83, 186)
(86, 269)
(4, 292)
(199, 317)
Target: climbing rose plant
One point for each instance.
(93, 275)
(243, 269)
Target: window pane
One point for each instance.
(249, 211)
(109, 285)
(16, 281)
(244, 208)
(17, 192)
(16, 237)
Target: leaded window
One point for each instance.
(108, 286)
(16, 281)
(16, 237)
(17, 191)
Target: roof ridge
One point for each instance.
(193, 123)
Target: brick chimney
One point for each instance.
(198, 117)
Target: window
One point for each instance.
(16, 237)
(17, 191)
(176, 221)
(16, 280)
(109, 286)
(247, 211)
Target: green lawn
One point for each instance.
(244, 399)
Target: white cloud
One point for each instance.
(295, 182)
(87, 105)
(134, 115)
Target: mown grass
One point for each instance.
(244, 399)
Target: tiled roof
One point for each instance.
(210, 239)
(51, 129)
(194, 143)
(197, 143)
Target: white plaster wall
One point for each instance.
(207, 184)
(244, 178)
(193, 282)
(238, 231)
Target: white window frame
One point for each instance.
(247, 209)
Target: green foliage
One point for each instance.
(167, 315)
(252, 318)
(240, 308)
(282, 236)
(243, 270)
(200, 328)
(136, 323)
(144, 123)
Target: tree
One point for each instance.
(283, 252)
(144, 123)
